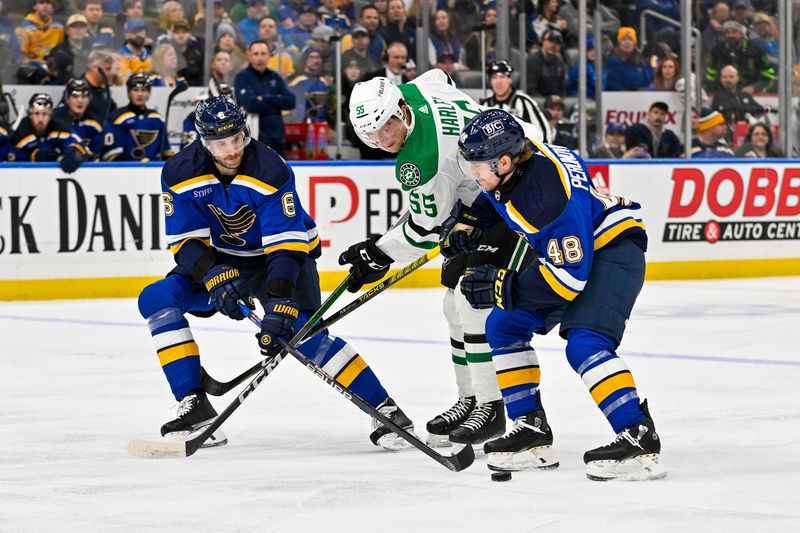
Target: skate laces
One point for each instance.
(459, 410)
(625, 435)
(479, 417)
(520, 424)
(187, 404)
(387, 409)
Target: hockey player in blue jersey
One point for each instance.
(134, 132)
(38, 138)
(73, 115)
(590, 269)
(238, 232)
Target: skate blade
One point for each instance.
(392, 442)
(218, 438)
(641, 468)
(438, 441)
(539, 458)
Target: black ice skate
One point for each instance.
(384, 436)
(526, 447)
(440, 426)
(633, 456)
(195, 412)
(486, 421)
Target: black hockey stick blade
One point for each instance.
(221, 388)
(455, 463)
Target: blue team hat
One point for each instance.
(590, 42)
(613, 127)
(133, 25)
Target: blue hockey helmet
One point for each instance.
(219, 117)
(489, 135)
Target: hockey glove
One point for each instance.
(279, 317)
(71, 159)
(369, 263)
(45, 153)
(456, 236)
(225, 287)
(488, 286)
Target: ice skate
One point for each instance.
(486, 421)
(195, 412)
(384, 436)
(440, 426)
(526, 447)
(633, 456)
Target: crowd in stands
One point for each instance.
(279, 58)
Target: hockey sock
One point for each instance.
(477, 350)
(518, 375)
(177, 352)
(463, 378)
(610, 382)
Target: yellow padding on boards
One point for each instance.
(180, 351)
(609, 386)
(512, 378)
(351, 371)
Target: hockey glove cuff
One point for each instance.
(278, 322)
(225, 287)
(458, 235)
(72, 159)
(368, 263)
(487, 286)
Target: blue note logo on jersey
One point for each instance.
(143, 139)
(234, 225)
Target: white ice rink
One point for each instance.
(718, 360)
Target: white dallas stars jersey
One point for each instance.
(427, 165)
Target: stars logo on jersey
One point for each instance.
(234, 225)
(409, 174)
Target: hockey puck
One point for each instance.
(501, 476)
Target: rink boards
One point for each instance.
(99, 232)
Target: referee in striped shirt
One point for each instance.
(506, 97)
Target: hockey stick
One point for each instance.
(157, 449)
(217, 388)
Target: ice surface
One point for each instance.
(719, 361)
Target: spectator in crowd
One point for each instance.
(546, 18)
(190, 53)
(132, 9)
(444, 37)
(288, 12)
(464, 15)
(103, 67)
(165, 67)
(221, 69)
(377, 46)
(38, 33)
(359, 52)
(547, 72)
(399, 29)
(506, 97)
(666, 75)
(282, 57)
(383, 11)
(170, 13)
(332, 16)
(36, 138)
(652, 135)
(444, 62)
(226, 41)
(309, 88)
(9, 44)
(554, 114)
(732, 102)
(764, 35)
(98, 33)
(410, 70)
(743, 12)
(301, 30)
(758, 143)
(710, 140)
(321, 39)
(472, 45)
(609, 22)
(264, 94)
(396, 58)
(613, 146)
(625, 70)
(713, 34)
(73, 115)
(134, 56)
(134, 132)
(248, 28)
(572, 76)
(73, 52)
(750, 60)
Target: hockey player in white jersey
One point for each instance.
(421, 122)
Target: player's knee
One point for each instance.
(449, 307)
(155, 297)
(583, 344)
(498, 332)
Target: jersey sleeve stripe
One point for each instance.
(300, 236)
(253, 183)
(26, 140)
(611, 233)
(559, 166)
(424, 244)
(123, 117)
(292, 246)
(193, 183)
(175, 248)
(238, 253)
(559, 288)
(203, 234)
(519, 219)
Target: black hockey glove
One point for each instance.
(369, 264)
(487, 286)
(71, 159)
(45, 153)
(280, 314)
(226, 287)
(457, 236)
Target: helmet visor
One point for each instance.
(228, 150)
(484, 172)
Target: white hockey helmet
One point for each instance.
(372, 104)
